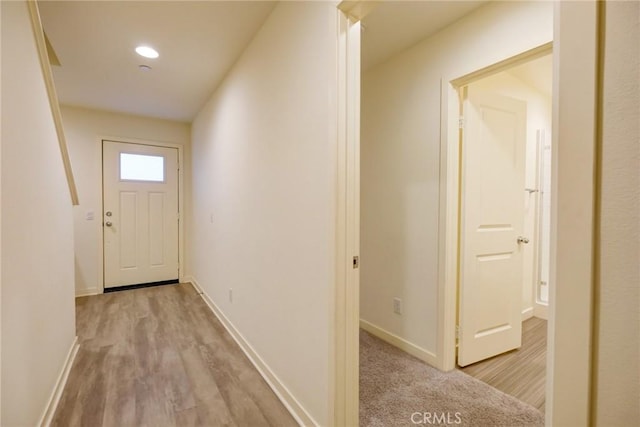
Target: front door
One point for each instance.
(492, 222)
(140, 190)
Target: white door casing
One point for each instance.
(492, 221)
(140, 217)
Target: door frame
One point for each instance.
(450, 198)
(181, 227)
(575, 98)
(578, 31)
(345, 354)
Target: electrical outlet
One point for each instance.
(397, 305)
(230, 295)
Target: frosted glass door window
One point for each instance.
(140, 167)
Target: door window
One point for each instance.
(141, 167)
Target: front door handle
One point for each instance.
(522, 239)
(108, 223)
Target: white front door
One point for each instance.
(140, 190)
(492, 221)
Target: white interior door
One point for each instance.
(491, 270)
(140, 190)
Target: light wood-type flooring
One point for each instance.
(158, 357)
(520, 373)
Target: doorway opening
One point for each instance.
(402, 91)
(141, 214)
(407, 195)
(504, 229)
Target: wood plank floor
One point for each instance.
(519, 373)
(158, 357)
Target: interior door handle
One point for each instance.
(522, 240)
(108, 223)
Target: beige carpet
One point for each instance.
(397, 389)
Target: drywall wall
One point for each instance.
(400, 138)
(538, 118)
(38, 313)
(85, 129)
(617, 374)
(264, 195)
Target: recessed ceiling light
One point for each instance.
(147, 52)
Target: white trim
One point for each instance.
(541, 310)
(88, 292)
(286, 397)
(181, 200)
(344, 357)
(573, 192)
(448, 223)
(52, 96)
(54, 399)
(527, 313)
(396, 341)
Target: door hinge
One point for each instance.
(460, 122)
(457, 332)
(356, 262)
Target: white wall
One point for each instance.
(401, 159)
(84, 129)
(618, 330)
(38, 314)
(538, 117)
(264, 197)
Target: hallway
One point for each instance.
(159, 357)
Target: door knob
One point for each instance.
(523, 240)
(108, 223)
(108, 213)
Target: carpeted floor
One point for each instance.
(397, 389)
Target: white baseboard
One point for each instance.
(401, 343)
(186, 279)
(541, 310)
(527, 313)
(52, 404)
(286, 397)
(196, 286)
(87, 292)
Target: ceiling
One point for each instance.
(394, 26)
(198, 42)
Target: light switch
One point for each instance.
(89, 216)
